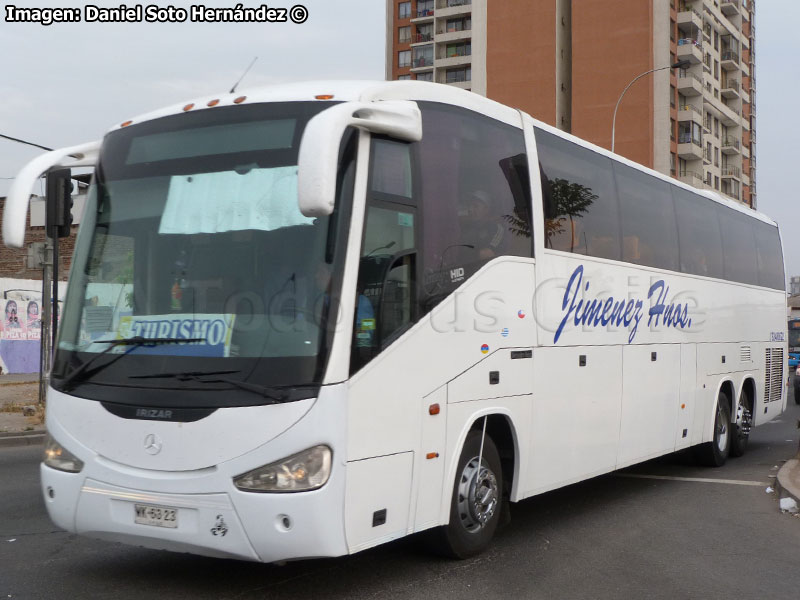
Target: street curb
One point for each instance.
(22, 438)
(787, 482)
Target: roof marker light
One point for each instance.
(188, 107)
(213, 103)
(240, 99)
(126, 123)
(324, 97)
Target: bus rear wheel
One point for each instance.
(740, 431)
(477, 499)
(715, 452)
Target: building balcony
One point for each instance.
(731, 173)
(691, 50)
(689, 112)
(424, 15)
(454, 61)
(692, 178)
(730, 88)
(453, 36)
(688, 149)
(745, 151)
(421, 64)
(730, 8)
(730, 116)
(454, 10)
(729, 60)
(731, 145)
(690, 16)
(689, 84)
(421, 38)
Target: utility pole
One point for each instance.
(564, 65)
(46, 347)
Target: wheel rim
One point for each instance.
(721, 430)
(477, 495)
(746, 422)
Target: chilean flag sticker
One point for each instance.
(485, 348)
(521, 314)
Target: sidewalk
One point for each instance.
(17, 378)
(788, 480)
(18, 391)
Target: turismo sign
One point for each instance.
(214, 330)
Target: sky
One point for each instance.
(68, 83)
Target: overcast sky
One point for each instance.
(65, 84)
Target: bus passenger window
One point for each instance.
(582, 213)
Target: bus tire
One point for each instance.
(715, 452)
(477, 500)
(740, 431)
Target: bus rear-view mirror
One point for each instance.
(319, 146)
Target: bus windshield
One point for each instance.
(192, 239)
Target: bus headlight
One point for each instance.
(59, 458)
(306, 470)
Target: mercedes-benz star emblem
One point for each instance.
(152, 443)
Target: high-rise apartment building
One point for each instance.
(566, 62)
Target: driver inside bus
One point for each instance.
(480, 228)
(364, 324)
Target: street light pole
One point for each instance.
(678, 65)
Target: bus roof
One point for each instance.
(368, 91)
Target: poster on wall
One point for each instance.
(21, 320)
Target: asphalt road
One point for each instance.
(638, 534)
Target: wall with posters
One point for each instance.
(20, 325)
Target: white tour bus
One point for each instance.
(319, 317)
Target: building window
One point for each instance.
(404, 10)
(716, 157)
(428, 76)
(458, 2)
(716, 182)
(424, 8)
(423, 56)
(708, 179)
(404, 58)
(403, 77)
(716, 40)
(424, 33)
(672, 162)
(672, 31)
(459, 49)
(716, 70)
(689, 133)
(464, 24)
(404, 34)
(672, 96)
(458, 75)
(672, 129)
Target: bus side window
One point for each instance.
(582, 212)
(474, 196)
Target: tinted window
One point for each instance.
(699, 235)
(580, 202)
(474, 196)
(738, 246)
(769, 256)
(649, 232)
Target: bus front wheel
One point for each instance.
(477, 499)
(715, 452)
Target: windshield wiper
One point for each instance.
(133, 342)
(263, 391)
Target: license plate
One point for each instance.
(157, 516)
